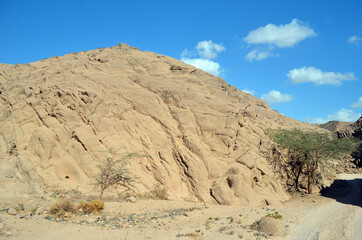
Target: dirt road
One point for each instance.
(340, 219)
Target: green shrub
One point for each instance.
(274, 215)
(307, 151)
(33, 210)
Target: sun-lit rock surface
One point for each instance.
(206, 140)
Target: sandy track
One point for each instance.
(340, 219)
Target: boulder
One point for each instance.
(12, 211)
(272, 226)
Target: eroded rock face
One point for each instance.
(205, 139)
(334, 126)
(352, 129)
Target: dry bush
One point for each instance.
(58, 193)
(124, 195)
(158, 192)
(92, 206)
(114, 172)
(59, 209)
(75, 193)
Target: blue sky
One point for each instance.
(303, 57)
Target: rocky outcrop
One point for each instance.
(205, 140)
(334, 126)
(354, 130)
(353, 163)
(351, 130)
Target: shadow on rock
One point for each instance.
(345, 191)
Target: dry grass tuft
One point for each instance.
(60, 209)
(158, 192)
(92, 206)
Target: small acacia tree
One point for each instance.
(307, 151)
(114, 172)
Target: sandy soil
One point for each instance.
(339, 219)
(304, 217)
(155, 219)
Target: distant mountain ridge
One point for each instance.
(353, 129)
(344, 129)
(334, 126)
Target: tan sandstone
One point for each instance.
(205, 139)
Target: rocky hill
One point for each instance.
(353, 163)
(352, 129)
(334, 126)
(205, 139)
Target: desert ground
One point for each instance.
(336, 215)
(338, 219)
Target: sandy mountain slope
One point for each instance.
(205, 139)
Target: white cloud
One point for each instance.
(209, 49)
(354, 39)
(204, 64)
(318, 77)
(205, 51)
(343, 115)
(357, 104)
(281, 36)
(276, 97)
(260, 54)
(247, 90)
(186, 53)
